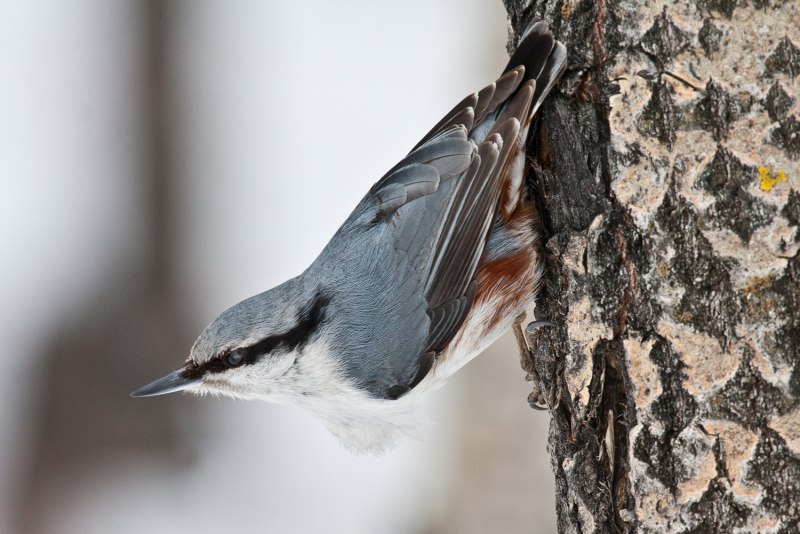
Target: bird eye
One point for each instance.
(235, 358)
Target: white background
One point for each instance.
(277, 117)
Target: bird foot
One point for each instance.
(535, 325)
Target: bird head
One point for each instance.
(251, 349)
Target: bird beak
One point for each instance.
(175, 381)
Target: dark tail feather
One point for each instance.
(532, 50)
(544, 59)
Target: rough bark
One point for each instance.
(667, 171)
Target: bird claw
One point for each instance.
(536, 400)
(535, 325)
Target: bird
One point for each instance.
(438, 259)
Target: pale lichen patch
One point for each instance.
(626, 107)
(761, 338)
(738, 444)
(586, 332)
(655, 507)
(788, 427)
(574, 253)
(642, 372)
(708, 367)
(696, 451)
(641, 188)
(766, 253)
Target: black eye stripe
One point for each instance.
(308, 321)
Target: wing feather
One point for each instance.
(434, 209)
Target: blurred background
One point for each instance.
(161, 161)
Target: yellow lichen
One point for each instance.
(566, 10)
(768, 180)
(759, 302)
(756, 284)
(662, 269)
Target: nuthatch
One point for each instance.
(436, 261)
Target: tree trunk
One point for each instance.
(667, 171)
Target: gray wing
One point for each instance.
(422, 228)
(466, 208)
(421, 232)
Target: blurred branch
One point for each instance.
(83, 418)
